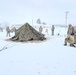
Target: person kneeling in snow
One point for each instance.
(70, 36)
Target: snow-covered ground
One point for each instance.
(50, 57)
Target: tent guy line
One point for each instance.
(7, 46)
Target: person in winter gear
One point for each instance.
(40, 29)
(70, 30)
(52, 29)
(69, 39)
(70, 36)
(46, 32)
(75, 34)
(8, 31)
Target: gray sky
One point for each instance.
(49, 11)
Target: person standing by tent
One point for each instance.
(52, 29)
(70, 36)
(8, 31)
(46, 32)
(40, 29)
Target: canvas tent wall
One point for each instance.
(26, 33)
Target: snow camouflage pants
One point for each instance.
(69, 39)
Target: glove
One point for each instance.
(72, 33)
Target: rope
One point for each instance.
(7, 46)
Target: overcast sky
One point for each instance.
(49, 11)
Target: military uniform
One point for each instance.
(52, 29)
(69, 39)
(75, 34)
(40, 29)
(8, 31)
(70, 36)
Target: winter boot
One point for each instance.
(72, 45)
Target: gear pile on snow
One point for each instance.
(27, 33)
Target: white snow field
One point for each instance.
(50, 57)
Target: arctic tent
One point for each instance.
(27, 33)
